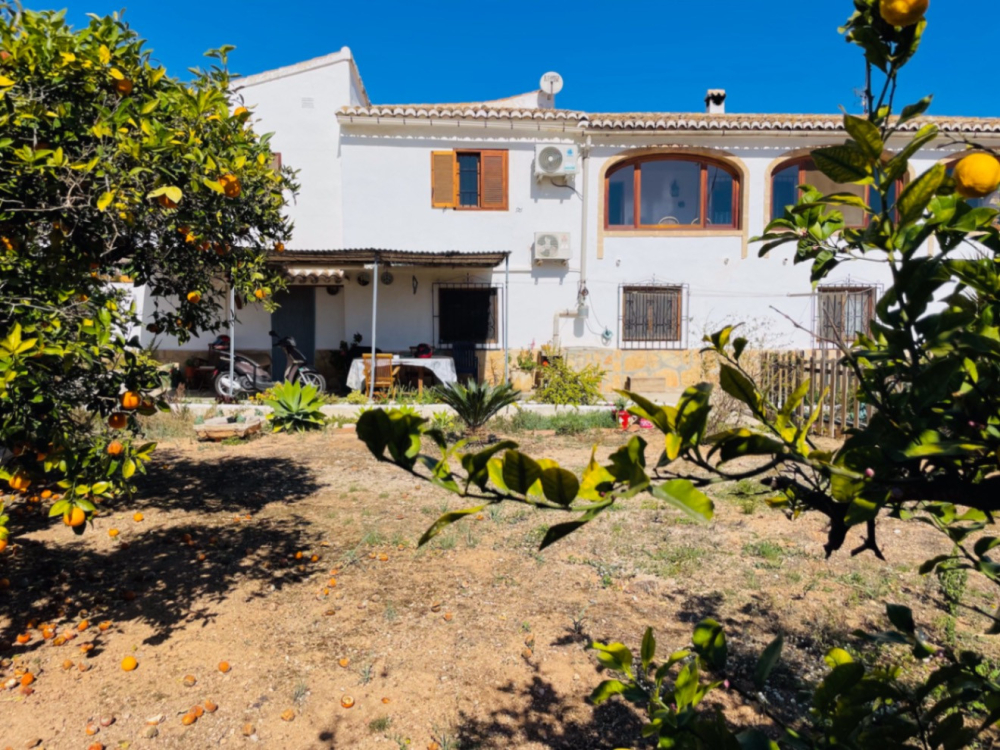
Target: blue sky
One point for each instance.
(643, 55)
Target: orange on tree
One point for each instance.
(117, 421)
(231, 185)
(903, 12)
(165, 201)
(194, 297)
(75, 517)
(3, 544)
(129, 664)
(115, 448)
(279, 247)
(130, 400)
(19, 481)
(977, 175)
(239, 111)
(123, 86)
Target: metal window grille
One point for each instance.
(651, 316)
(843, 311)
(467, 312)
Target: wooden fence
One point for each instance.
(839, 410)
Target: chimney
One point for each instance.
(715, 102)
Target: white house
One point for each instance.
(625, 254)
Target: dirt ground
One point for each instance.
(474, 641)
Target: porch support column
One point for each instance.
(232, 339)
(506, 318)
(374, 368)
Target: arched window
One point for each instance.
(672, 192)
(787, 177)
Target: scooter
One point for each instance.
(249, 377)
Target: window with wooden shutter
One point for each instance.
(443, 182)
(469, 180)
(493, 171)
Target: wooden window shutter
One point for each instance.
(493, 171)
(444, 183)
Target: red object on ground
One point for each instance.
(624, 418)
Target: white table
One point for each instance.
(443, 369)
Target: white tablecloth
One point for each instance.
(442, 367)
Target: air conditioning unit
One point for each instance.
(555, 161)
(552, 246)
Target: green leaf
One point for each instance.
(916, 195)
(910, 111)
(683, 495)
(768, 659)
(901, 618)
(843, 164)
(214, 186)
(866, 134)
(128, 468)
(605, 690)
(709, 641)
(648, 650)
(476, 464)
(560, 486)
(739, 386)
(596, 480)
(105, 200)
(861, 511)
(445, 521)
(375, 430)
(614, 656)
(520, 472)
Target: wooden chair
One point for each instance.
(385, 373)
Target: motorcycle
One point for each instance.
(250, 377)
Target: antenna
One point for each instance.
(551, 83)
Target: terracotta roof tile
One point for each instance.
(656, 121)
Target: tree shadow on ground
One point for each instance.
(168, 576)
(543, 716)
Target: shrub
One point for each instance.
(296, 407)
(357, 398)
(477, 403)
(566, 423)
(564, 386)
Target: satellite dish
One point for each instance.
(550, 159)
(551, 83)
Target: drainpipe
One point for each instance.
(582, 294)
(506, 318)
(556, 340)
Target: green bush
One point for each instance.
(566, 423)
(564, 386)
(477, 403)
(296, 408)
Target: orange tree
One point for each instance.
(930, 453)
(111, 170)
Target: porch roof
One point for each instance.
(359, 256)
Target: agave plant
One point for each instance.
(478, 403)
(296, 407)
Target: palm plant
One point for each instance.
(296, 407)
(477, 403)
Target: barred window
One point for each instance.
(844, 311)
(467, 314)
(652, 314)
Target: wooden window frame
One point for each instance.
(704, 163)
(802, 162)
(676, 338)
(454, 202)
(847, 288)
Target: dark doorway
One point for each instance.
(296, 317)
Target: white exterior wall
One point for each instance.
(389, 206)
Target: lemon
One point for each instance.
(977, 175)
(903, 12)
